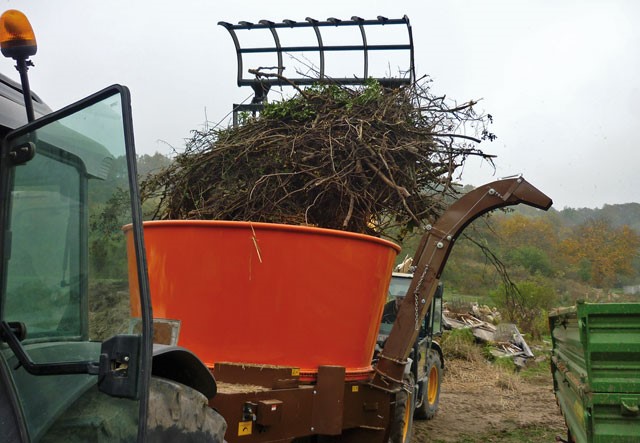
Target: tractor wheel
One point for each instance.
(431, 392)
(402, 420)
(178, 413)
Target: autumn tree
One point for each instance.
(516, 230)
(600, 253)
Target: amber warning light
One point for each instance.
(17, 39)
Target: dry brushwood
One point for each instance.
(367, 160)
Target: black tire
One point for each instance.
(402, 420)
(178, 413)
(431, 391)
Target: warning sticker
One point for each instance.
(244, 428)
(295, 372)
(355, 388)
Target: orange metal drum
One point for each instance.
(267, 293)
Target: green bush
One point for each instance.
(535, 260)
(527, 304)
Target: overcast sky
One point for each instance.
(560, 77)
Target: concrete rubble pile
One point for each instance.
(504, 339)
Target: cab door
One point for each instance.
(71, 367)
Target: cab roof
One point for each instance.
(12, 109)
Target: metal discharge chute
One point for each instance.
(430, 259)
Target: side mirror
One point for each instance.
(436, 310)
(439, 291)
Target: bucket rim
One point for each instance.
(267, 227)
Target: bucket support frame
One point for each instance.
(262, 84)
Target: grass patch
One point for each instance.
(460, 344)
(507, 379)
(538, 369)
(505, 364)
(519, 435)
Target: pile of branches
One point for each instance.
(367, 159)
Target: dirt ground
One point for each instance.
(479, 402)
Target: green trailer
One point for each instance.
(596, 370)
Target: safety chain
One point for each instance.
(415, 297)
(386, 378)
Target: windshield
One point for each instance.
(397, 290)
(398, 287)
(66, 275)
(45, 254)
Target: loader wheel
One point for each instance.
(431, 392)
(178, 413)
(402, 420)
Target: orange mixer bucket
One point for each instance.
(271, 294)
